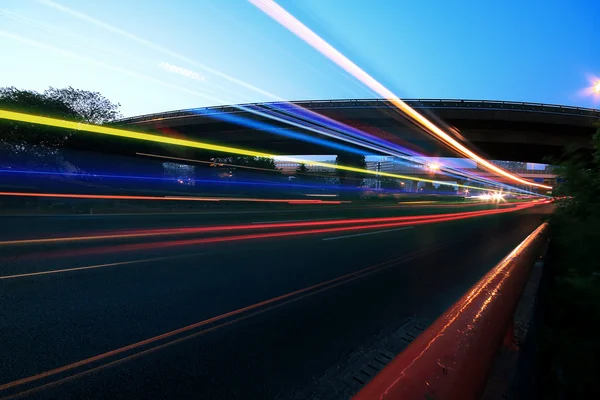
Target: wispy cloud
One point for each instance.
(182, 71)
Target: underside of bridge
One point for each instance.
(497, 130)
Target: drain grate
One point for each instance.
(346, 378)
(365, 368)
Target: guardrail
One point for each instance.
(452, 358)
(379, 103)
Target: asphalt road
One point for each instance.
(179, 316)
(19, 226)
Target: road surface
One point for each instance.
(224, 314)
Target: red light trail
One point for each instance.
(391, 222)
(116, 248)
(375, 222)
(428, 220)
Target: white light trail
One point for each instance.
(387, 148)
(279, 14)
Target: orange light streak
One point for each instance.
(179, 198)
(280, 15)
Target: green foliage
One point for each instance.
(427, 188)
(569, 340)
(247, 161)
(445, 189)
(90, 107)
(24, 144)
(389, 183)
(29, 101)
(576, 220)
(304, 175)
(302, 169)
(350, 178)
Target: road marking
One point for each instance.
(75, 238)
(297, 220)
(60, 271)
(261, 306)
(368, 233)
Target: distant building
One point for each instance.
(181, 173)
(289, 168)
(396, 165)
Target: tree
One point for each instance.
(390, 183)
(305, 175)
(247, 161)
(24, 144)
(90, 107)
(245, 165)
(302, 169)
(350, 178)
(571, 302)
(427, 188)
(446, 189)
(262, 162)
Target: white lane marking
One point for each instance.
(368, 233)
(296, 220)
(59, 271)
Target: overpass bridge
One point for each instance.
(401, 167)
(498, 129)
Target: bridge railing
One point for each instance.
(420, 170)
(451, 359)
(379, 103)
(520, 171)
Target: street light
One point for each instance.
(433, 167)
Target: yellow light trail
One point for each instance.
(279, 14)
(104, 130)
(167, 51)
(135, 74)
(227, 165)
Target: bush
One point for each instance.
(569, 345)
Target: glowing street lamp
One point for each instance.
(594, 88)
(433, 167)
(498, 196)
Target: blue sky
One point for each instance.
(158, 55)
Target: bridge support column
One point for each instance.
(414, 187)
